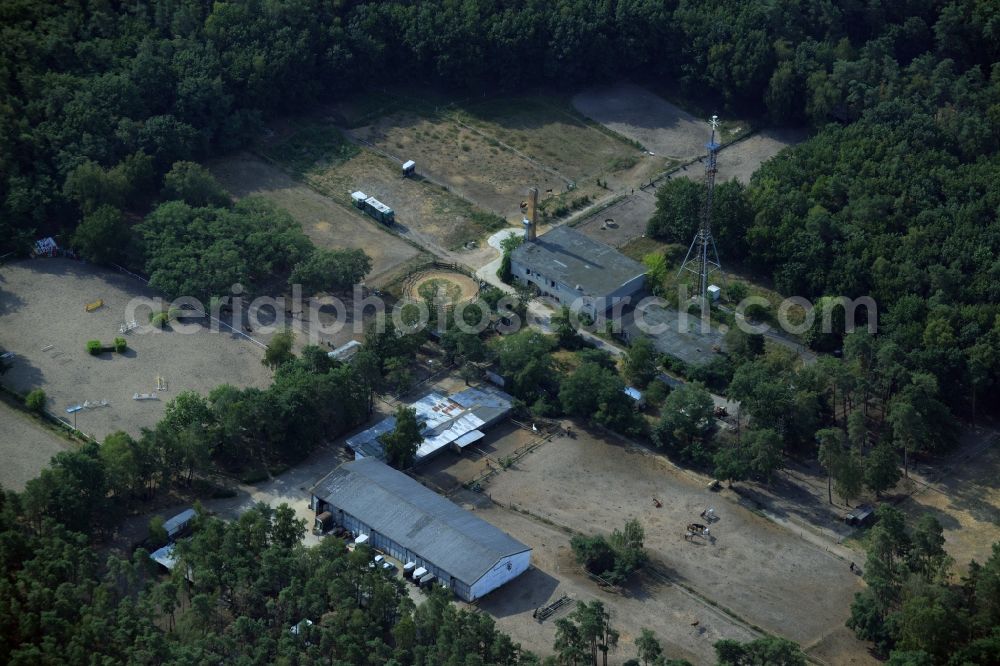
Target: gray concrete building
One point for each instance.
(413, 524)
(578, 271)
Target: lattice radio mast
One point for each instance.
(699, 259)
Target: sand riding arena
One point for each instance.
(438, 282)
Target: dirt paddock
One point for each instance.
(642, 116)
(622, 221)
(750, 566)
(548, 130)
(42, 320)
(326, 222)
(473, 165)
(25, 447)
(739, 161)
(429, 213)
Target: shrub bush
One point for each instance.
(35, 401)
(756, 312)
(120, 345)
(94, 347)
(254, 476)
(159, 319)
(657, 392)
(157, 533)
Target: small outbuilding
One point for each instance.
(165, 557)
(45, 247)
(409, 166)
(862, 516)
(179, 524)
(345, 352)
(636, 395)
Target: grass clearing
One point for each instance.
(547, 129)
(312, 145)
(637, 248)
(470, 164)
(966, 498)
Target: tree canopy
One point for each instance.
(203, 252)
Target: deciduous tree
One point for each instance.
(402, 441)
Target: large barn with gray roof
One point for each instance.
(412, 523)
(578, 271)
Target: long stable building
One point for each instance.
(414, 524)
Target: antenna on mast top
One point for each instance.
(699, 259)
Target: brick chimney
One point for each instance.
(531, 217)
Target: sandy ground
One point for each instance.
(638, 114)
(42, 307)
(752, 566)
(25, 447)
(622, 221)
(326, 222)
(961, 491)
(467, 287)
(686, 626)
(741, 160)
(958, 489)
(630, 215)
(473, 166)
(546, 130)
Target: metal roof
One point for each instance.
(165, 556)
(567, 256)
(366, 442)
(469, 438)
(377, 205)
(417, 518)
(444, 419)
(178, 522)
(346, 352)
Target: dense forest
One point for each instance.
(104, 105)
(103, 97)
(914, 610)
